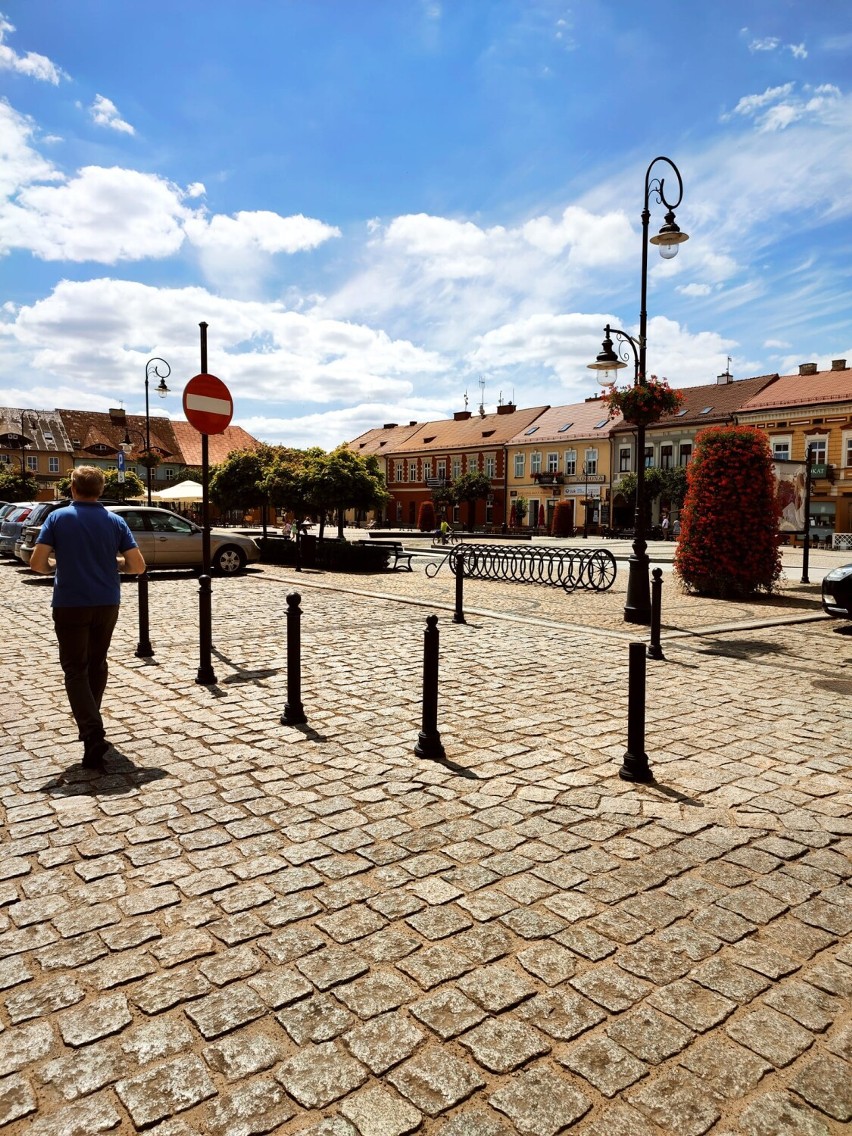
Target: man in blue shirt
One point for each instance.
(85, 541)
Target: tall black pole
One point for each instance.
(635, 761)
(206, 675)
(806, 552)
(147, 437)
(458, 614)
(205, 471)
(294, 711)
(429, 740)
(144, 650)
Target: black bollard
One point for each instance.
(205, 674)
(635, 762)
(655, 650)
(458, 614)
(429, 740)
(294, 711)
(144, 650)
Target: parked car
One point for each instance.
(167, 540)
(32, 526)
(13, 522)
(837, 592)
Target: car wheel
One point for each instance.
(229, 560)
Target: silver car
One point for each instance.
(167, 540)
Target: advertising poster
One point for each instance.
(790, 486)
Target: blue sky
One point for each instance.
(381, 205)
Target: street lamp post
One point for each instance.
(152, 370)
(637, 609)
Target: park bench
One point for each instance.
(401, 558)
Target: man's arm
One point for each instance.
(134, 562)
(40, 559)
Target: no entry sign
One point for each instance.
(207, 404)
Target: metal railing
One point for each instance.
(568, 568)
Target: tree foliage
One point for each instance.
(131, 489)
(665, 484)
(471, 487)
(728, 543)
(17, 484)
(426, 517)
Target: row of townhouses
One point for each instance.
(576, 453)
(49, 443)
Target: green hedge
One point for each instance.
(332, 555)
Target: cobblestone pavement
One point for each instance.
(248, 927)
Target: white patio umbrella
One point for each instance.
(183, 491)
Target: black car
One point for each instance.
(32, 527)
(837, 592)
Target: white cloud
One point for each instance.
(773, 43)
(768, 43)
(102, 215)
(102, 331)
(778, 107)
(695, 290)
(34, 65)
(20, 164)
(104, 112)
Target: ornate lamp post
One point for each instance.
(152, 370)
(638, 606)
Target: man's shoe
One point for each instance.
(93, 755)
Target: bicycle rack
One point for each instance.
(569, 568)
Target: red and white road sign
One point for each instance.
(207, 404)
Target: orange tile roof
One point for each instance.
(474, 432)
(382, 439)
(711, 402)
(803, 390)
(91, 428)
(587, 419)
(218, 445)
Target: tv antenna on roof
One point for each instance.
(482, 397)
(465, 400)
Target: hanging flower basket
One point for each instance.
(644, 403)
(149, 459)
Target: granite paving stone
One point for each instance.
(248, 928)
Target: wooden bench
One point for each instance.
(401, 559)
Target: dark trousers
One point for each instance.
(84, 635)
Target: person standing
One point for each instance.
(85, 541)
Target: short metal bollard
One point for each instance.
(655, 650)
(635, 761)
(429, 740)
(205, 676)
(144, 650)
(294, 711)
(458, 614)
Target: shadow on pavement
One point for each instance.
(120, 777)
(674, 794)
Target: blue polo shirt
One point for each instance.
(86, 540)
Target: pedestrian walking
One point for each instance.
(85, 541)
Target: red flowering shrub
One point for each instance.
(563, 519)
(728, 544)
(426, 517)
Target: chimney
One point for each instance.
(413, 422)
(507, 408)
(807, 368)
(390, 426)
(118, 415)
(838, 364)
(461, 416)
(723, 379)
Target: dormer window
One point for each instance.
(567, 426)
(531, 430)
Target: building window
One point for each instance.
(570, 462)
(472, 463)
(553, 463)
(491, 466)
(847, 451)
(624, 462)
(412, 471)
(427, 468)
(685, 453)
(4, 459)
(649, 456)
(456, 468)
(519, 465)
(818, 448)
(535, 461)
(170, 473)
(591, 463)
(666, 455)
(398, 470)
(442, 469)
(53, 465)
(32, 463)
(781, 448)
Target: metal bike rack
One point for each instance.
(568, 568)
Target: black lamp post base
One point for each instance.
(637, 608)
(635, 768)
(429, 746)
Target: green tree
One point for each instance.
(471, 487)
(521, 507)
(239, 481)
(728, 544)
(285, 482)
(660, 484)
(343, 480)
(129, 490)
(17, 484)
